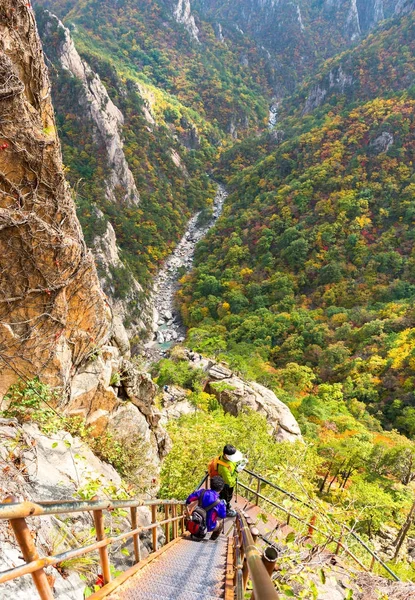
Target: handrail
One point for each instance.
(17, 512)
(373, 554)
(54, 560)
(203, 481)
(277, 487)
(263, 587)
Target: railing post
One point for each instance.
(25, 541)
(255, 534)
(258, 489)
(136, 537)
(103, 552)
(167, 525)
(339, 542)
(372, 563)
(181, 522)
(154, 529)
(269, 558)
(174, 525)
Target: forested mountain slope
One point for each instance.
(296, 36)
(311, 267)
(383, 63)
(147, 92)
(142, 104)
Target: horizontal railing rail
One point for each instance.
(204, 481)
(257, 495)
(15, 509)
(277, 487)
(17, 513)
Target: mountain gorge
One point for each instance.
(300, 117)
(145, 96)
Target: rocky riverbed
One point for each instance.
(167, 325)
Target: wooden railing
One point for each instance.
(18, 512)
(339, 541)
(249, 564)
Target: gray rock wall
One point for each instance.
(57, 467)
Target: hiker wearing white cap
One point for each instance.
(228, 465)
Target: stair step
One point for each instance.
(188, 570)
(162, 593)
(180, 585)
(208, 576)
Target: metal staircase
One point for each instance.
(187, 571)
(183, 569)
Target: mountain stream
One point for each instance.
(167, 324)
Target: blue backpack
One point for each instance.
(196, 522)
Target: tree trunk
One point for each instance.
(335, 477)
(404, 531)
(346, 479)
(321, 488)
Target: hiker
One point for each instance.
(228, 465)
(208, 513)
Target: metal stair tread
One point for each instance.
(187, 571)
(136, 594)
(204, 579)
(149, 587)
(209, 580)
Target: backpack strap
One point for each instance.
(212, 505)
(224, 464)
(206, 508)
(202, 495)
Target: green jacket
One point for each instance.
(228, 475)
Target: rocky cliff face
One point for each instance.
(337, 81)
(182, 14)
(52, 310)
(106, 121)
(135, 307)
(55, 321)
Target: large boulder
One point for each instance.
(128, 425)
(175, 404)
(139, 387)
(112, 394)
(236, 395)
